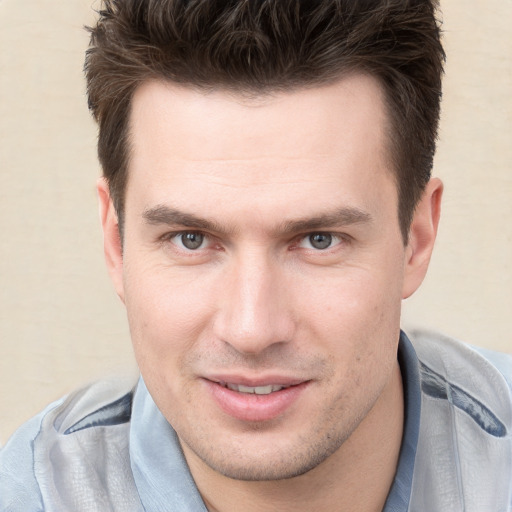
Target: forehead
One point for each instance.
(221, 124)
(330, 136)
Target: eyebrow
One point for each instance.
(342, 217)
(162, 214)
(346, 216)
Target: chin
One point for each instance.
(270, 464)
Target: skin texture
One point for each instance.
(256, 303)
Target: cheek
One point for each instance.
(167, 311)
(358, 295)
(166, 317)
(357, 314)
(359, 325)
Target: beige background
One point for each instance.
(60, 322)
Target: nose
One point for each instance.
(254, 312)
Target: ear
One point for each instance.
(422, 235)
(111, 237)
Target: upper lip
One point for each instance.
(265, 380)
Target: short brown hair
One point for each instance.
(259, 46)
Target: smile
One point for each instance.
(256, 390)
(257, 402)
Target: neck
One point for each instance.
(357, 476)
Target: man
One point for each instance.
(266, 205)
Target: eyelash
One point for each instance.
(337, 239)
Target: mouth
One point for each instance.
(255, 401)
(254, 390)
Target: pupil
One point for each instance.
(192, 240)
(320, 240)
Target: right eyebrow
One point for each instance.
(162, 214)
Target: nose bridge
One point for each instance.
(254, 313)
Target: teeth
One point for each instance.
(257, 390)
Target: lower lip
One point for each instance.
(253, 407)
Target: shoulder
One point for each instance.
(74, 435)
(101, 404)
(465, 442)
(18, 485)
(482, 373)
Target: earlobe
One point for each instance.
(422, 235)
(111, 237)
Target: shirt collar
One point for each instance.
(159, 468)
(400, 492)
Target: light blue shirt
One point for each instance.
(107, 448)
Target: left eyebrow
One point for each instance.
(339, 218)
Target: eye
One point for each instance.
(319, 241)
(190, 240)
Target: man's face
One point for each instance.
(263, 269)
